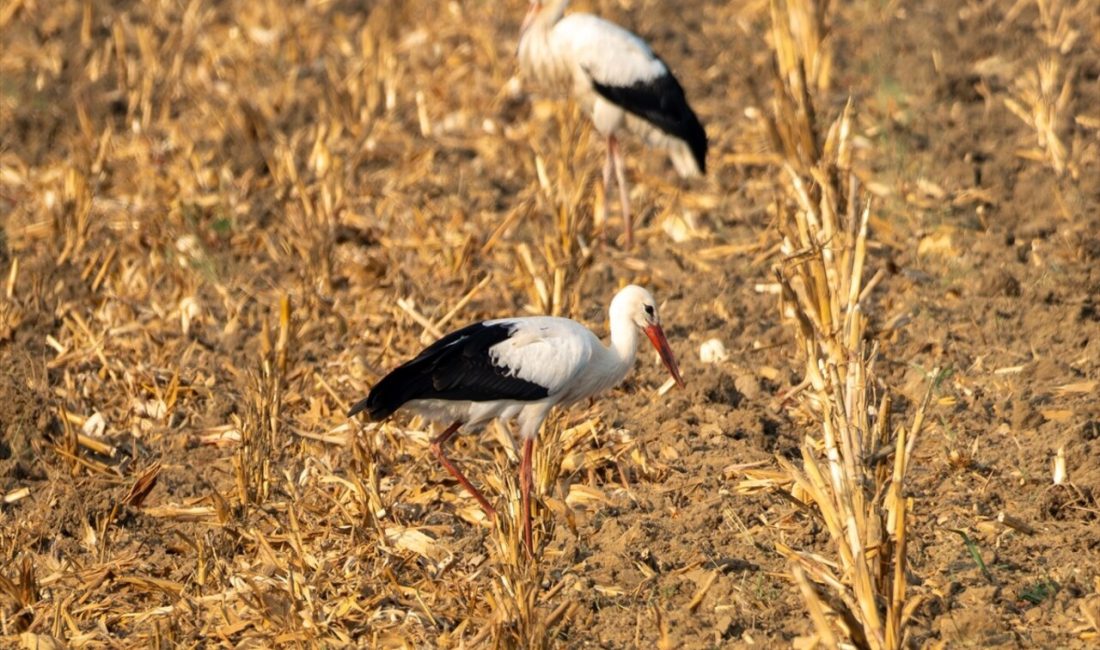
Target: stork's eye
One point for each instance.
(649, 310)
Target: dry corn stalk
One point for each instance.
(850, 480)
(800, 33)
(1042, 95)
(555, 268)
(518, 621)
(252, 461)
(1041, 99)
(1061, 22)
(858, 595)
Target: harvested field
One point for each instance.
(221, 223)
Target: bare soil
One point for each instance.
(170, 171)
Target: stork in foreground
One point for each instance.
(517, 368)
(619, 82)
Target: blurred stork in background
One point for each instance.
(619, 82)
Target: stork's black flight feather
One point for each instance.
(661, 102)
(456, 367)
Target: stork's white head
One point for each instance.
(633, 304)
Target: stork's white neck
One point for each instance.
(552, 11)
(624, 339)
(536, 57)
(624, 342)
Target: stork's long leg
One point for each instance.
(624, 193)
(525, 491)
(437, 448)
(608, 167)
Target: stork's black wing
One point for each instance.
(456, 367)
(661, 102)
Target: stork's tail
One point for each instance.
(687, 147)
(689, 161)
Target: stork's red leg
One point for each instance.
(525, 492)
(608, 169)
(624, 192)
(437, 447)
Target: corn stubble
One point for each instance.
(853, 467)
(1043, 93)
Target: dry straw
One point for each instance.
(1042, 91)
(852, 471)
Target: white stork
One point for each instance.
(517, 368)
(619, 82)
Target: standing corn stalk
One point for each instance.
(853, 469)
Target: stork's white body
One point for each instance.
(516, 368)
(559, 354)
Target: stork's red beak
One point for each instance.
(657, 337)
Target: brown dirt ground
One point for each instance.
(169, 171)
